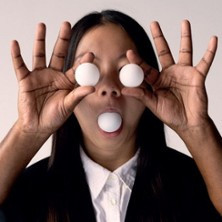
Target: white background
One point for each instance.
(19, 19)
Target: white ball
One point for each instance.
(131, 75)
(109, 121)
(87, 74)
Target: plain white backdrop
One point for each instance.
(19, 19)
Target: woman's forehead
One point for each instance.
(107, 38)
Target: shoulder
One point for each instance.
(172, 159)
(37, 169)
(171, 154)
(180, 169)
(186, 186)
(34, 175)
(28, 193)
(32, 179)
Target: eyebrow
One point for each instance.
(80, 55)
(123, 55)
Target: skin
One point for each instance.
(108, 45)
(178, 98)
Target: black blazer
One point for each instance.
(185, 191)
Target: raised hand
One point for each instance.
(178, 95)
(47, 96)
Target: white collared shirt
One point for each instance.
(110, 191)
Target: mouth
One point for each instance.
(110, 134)
(110, 122)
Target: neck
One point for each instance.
(111, 157)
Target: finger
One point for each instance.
(86, 57)
(163, 50)
(61, 47)
(75, 96)
(186, 49)
(21, 70)
(146, 97)
(150, 74)
(39, 57)
(205, 63)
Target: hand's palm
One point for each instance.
(178, 95)
(41, 99)
(46, 95)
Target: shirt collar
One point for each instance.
(97, 175)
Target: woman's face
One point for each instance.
(109, 43)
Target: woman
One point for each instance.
(90, 174)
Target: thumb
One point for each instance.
(147, 97)
(75, 96)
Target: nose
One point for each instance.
(109, 87)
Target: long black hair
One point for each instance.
(150, 138)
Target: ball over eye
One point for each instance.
(131, 75)
(87, 74)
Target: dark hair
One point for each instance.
(151, 137)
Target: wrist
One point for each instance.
(16, 151)
(27, 144)
(25, 133)
(195, 130)
(200, 136)
(19, 147)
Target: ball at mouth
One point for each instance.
(109, 121)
